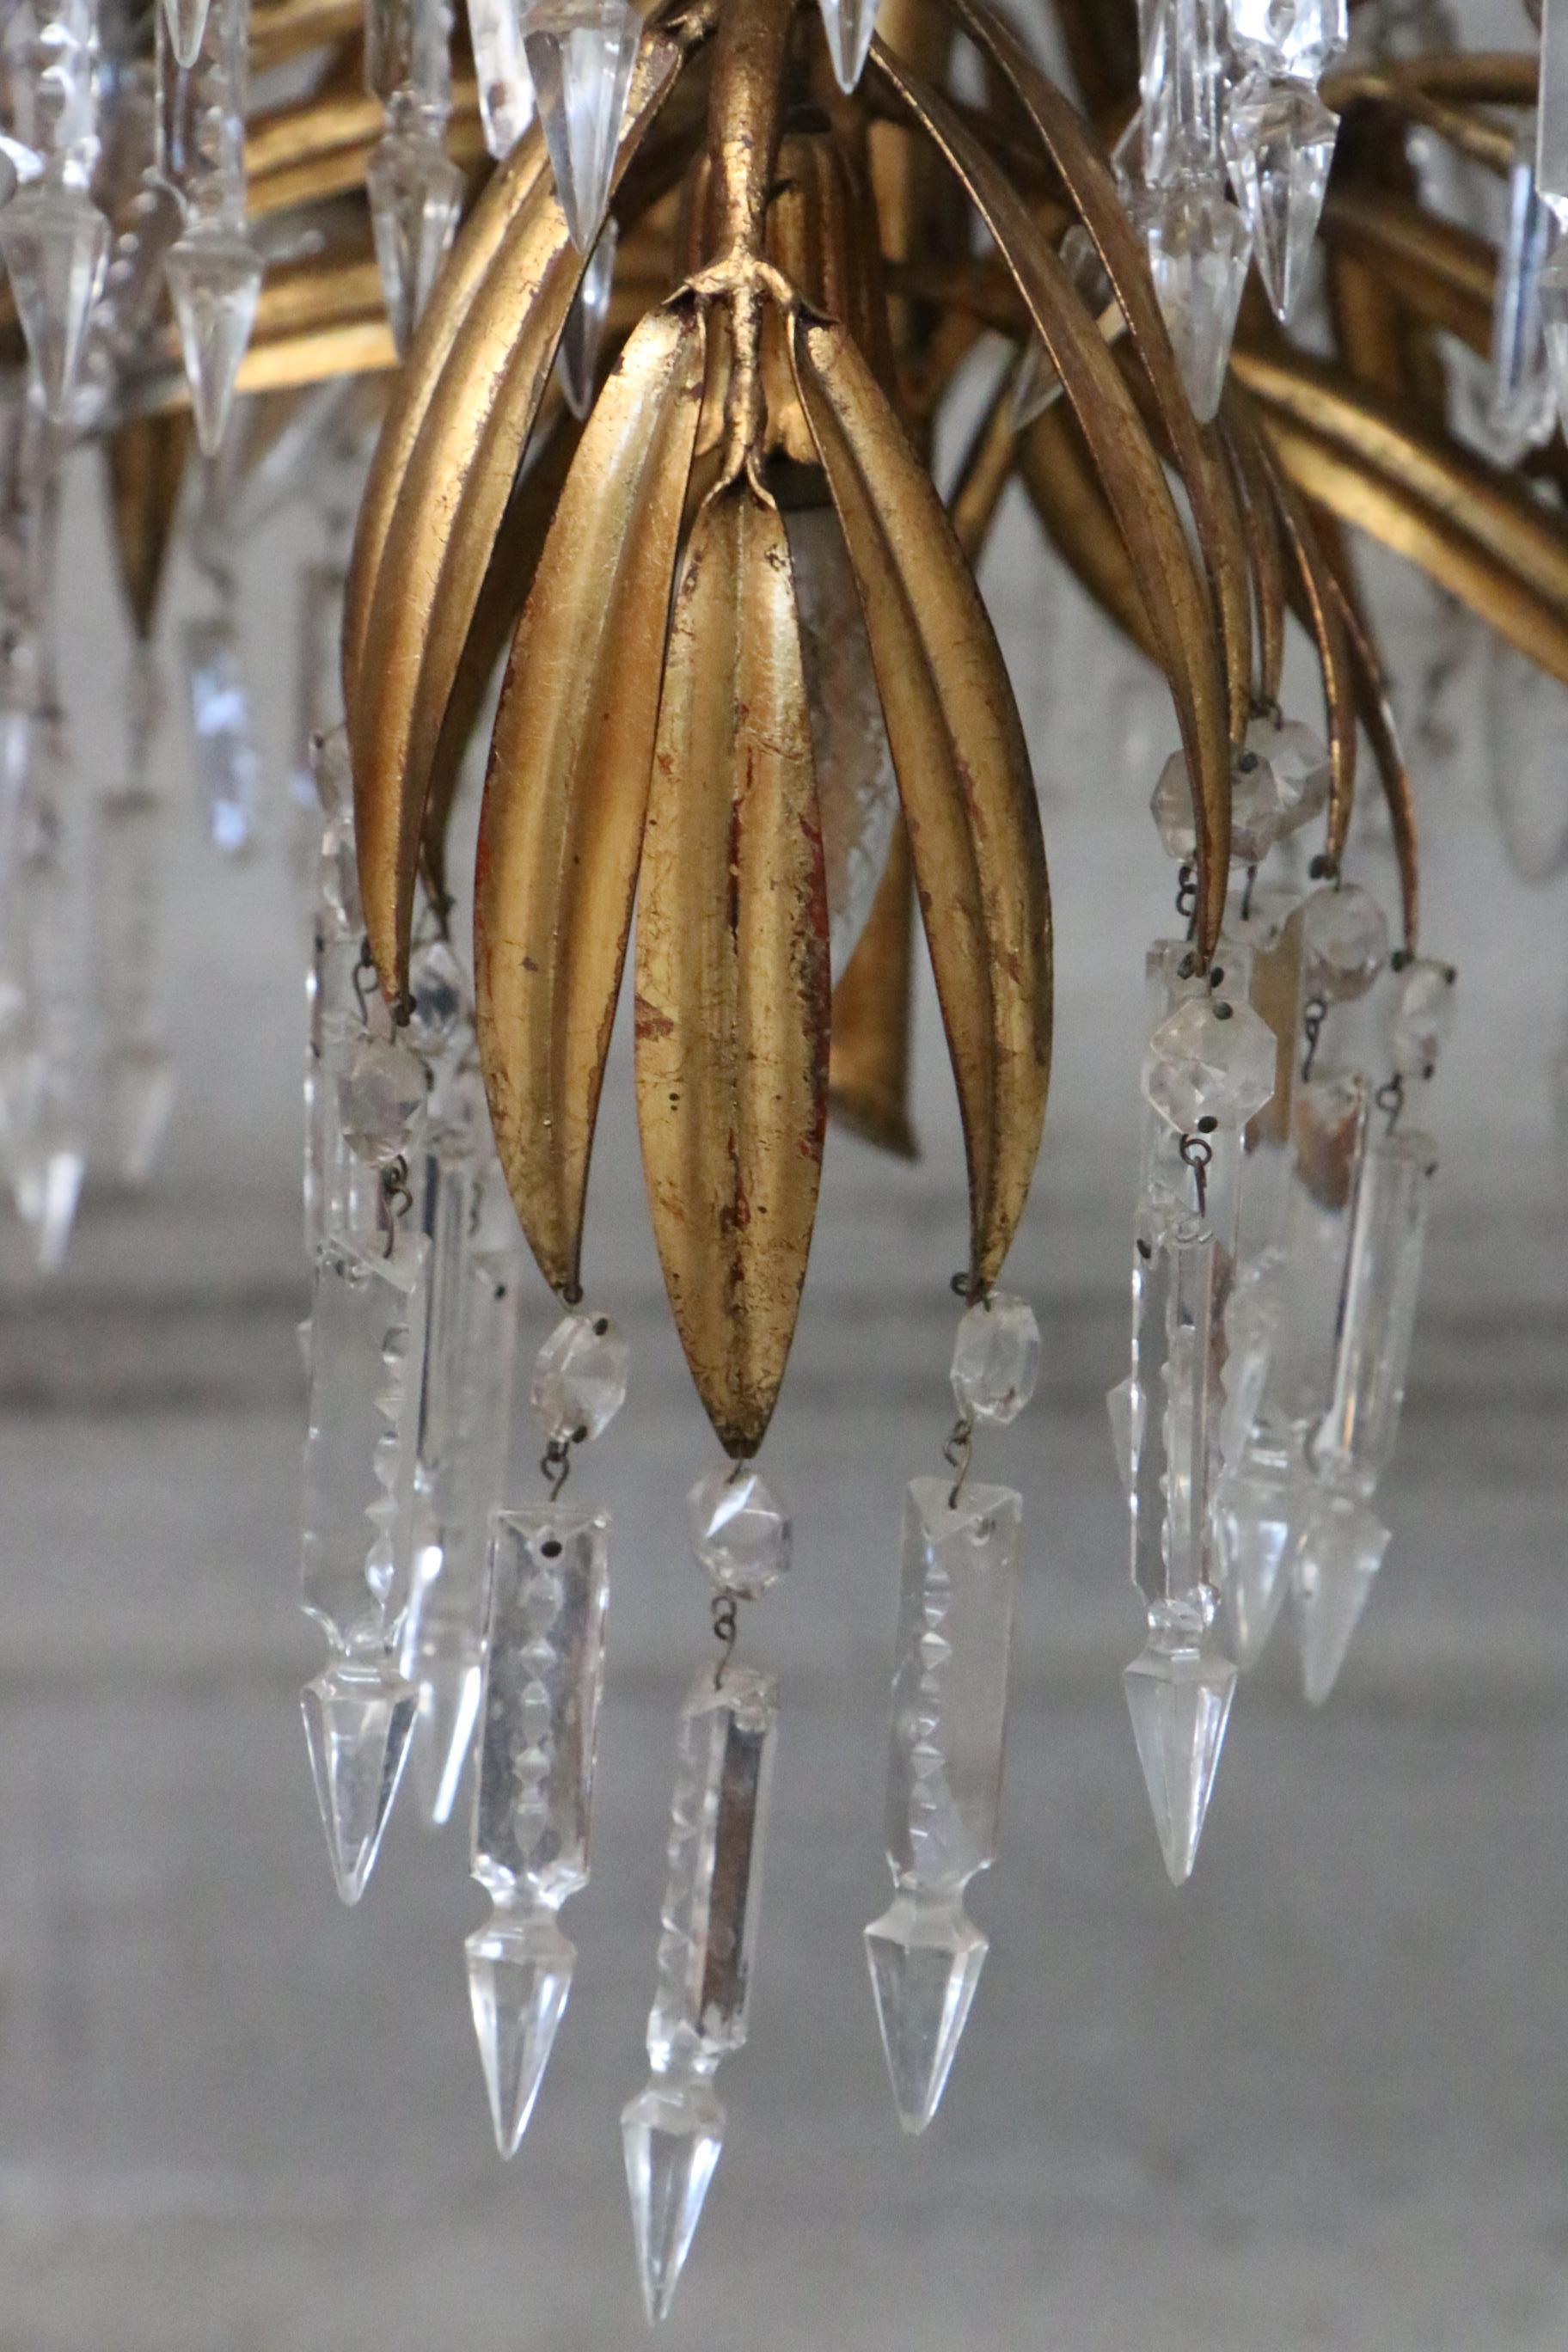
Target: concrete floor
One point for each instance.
(1317, 2099)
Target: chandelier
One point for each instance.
(611, 351)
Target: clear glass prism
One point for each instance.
(925, 1958)
(358, 1715)
(580, 55)
(1340, 1550)
(215, 280)
(1353, 1444)
(416, 193)
(848, 25)
(1279, 143)
(671, 2135)
(1179, 1692)
(506, 89)
(520, 1975)
(55, 245)
(1199, 248)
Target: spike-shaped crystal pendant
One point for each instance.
(416, 195)
(1354, 1442)
(187, 21)
(545, 1651)
(1279, 144)
(1199, 248)
(1180, 81)
(506, 89)
(944, 1775)
(674, 2129)
(580, 55)
(848, 25)
(214, 271)
(366, 1352)
(215, 283)
(55, 240)
(577, 354)
(1339, 1554)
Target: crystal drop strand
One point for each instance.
(577, 354)
(543, 1674)
(415, 190)
(957, 1594)
(54, 238)
(366, 1368)
(580, 56)
(1211, 1065)
(672, 2132)
(506, 89)
(1520, 410)
(136, 1075)
(228, 767)
(1199, 243)
(214, 271)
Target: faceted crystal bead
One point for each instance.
(739, 1532)
(1354, 1445)
(56, 245)
(1279, 143)
(215, 282)
(925, 1958)
(1294, 37)
(520, 1974)
(187, 21)
(577, 354)
(580, 1379)
(1340, 1551)
(1298, 761)
(506, 92)
(439, 995)
(381, 1099)
(672, 2134)
(848, 25)
(1213, 1060)
(1420, 1016)
(1259, 1515)
(358, 1717)
(1199, 248)
(1178, 1694)
(1263, 802)
(1346, 936)
(996, 1358)
(549, 1590)
(416, 195)
(581, 53)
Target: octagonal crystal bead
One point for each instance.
(996, 1358)
(739, 1532)
(440, 997)
(579, 1379)
(1345, 936)
(381, 1099)
(1421, 1017)
(1210, 1060)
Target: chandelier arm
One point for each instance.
(1260, 518)
(1087, 176)
(963, 780)
(731, 966)
(1172, 584)
(561, 830)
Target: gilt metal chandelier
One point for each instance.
(651, 322)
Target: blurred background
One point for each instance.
(1316, 2098)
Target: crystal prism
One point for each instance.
(740, 1533)
(925, 1959)
(55, 245)
(671, 2134)
(1297, 39)
(520, 1974)
(1340, 1551)
(1181, 45)
(580, 1379)
(506, 91)
(1354, 1443)
(577, 354)
(416, 195)
(186, 22)
(1420, 1016)
(848, 25)
(1178, 1694)
(381, 1099)
(1328, 1139)
(581, 53)
(358, 1717)
(996, 1358)
(1279, 143)
(215, 280)
(1199, 248)
(438, 999)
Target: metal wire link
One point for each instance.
(396, 1197)
(726, 1632)
(1197, 1153)
(958, 1452)
(1314, 1013)
(555, 1465)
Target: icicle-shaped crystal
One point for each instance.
(1199, 248)
(580, 56)
(1340, 1552)
(214, 271)
(506, 89)
(673, 2132)
(945, 1776)
(848, 25)
(415, 190)
(577, 354)
(366, 1349)
(1279, 143)
(54, 238)
(532, 1806)
(1520, 408)
(1354, 1442)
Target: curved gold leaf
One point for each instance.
(1376, 710)
(1261, 521)
(1087, 176)
(1174, 590)
(733, 991)
(566, 791)
(1056, 471)
(963, 778)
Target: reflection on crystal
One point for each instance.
(580, 54)
(358, 1717)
